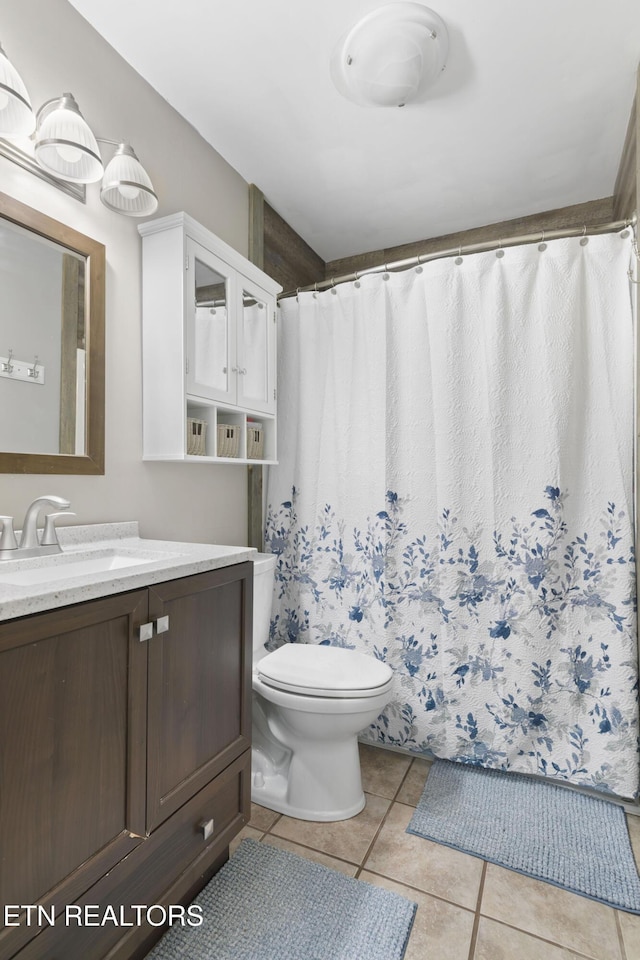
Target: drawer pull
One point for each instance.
(207, 828)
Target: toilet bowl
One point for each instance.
(309, 704)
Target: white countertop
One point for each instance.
(86, 547)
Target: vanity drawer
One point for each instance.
(178, 849)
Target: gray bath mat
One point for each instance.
(269, 904)
(549, 832)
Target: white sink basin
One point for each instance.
(65, 567)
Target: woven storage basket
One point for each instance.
(255, 441)
(228, 439)
(196, 437)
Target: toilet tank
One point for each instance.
(263, 575)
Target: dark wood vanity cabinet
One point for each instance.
(124, 763)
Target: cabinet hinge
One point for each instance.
(274, 317)
(186, 365)
(275, 394)
(186, 263)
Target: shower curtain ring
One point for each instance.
(333, 286)
(458, 259)
(584, 239)
(315, 290)
(357, 280)
(542, 245)
(499, 251)
(297, 292)
(385, 275)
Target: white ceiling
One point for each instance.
(530, 113)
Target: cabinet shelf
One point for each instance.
(209, 348)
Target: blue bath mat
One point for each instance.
(549, 832)
(269, 904)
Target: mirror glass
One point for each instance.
(51, 345)
(211, 328)
(255, 319)
(42, 344)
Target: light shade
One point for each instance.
(126, 186)
(65, 144)
(391, 56)
(16, 116)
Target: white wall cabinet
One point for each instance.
(209, 348)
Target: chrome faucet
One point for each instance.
(29, 538)
(30, 545)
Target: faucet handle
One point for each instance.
(8, 538)
(49, 535)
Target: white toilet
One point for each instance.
(309, 704)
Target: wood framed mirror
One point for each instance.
(52, 313)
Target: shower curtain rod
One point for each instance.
(483, 247)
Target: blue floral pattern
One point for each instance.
(519, 656)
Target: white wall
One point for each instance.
(55, 51)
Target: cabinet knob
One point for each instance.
(162, 624)
(207, 828)
(145, 631)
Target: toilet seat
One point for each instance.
(322, 671)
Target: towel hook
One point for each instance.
(7, 367)
(33, 371)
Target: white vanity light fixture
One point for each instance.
(66, 147)
(65, 144)
(66, 150)
(391, 56)
(16, 115)
(126, 186)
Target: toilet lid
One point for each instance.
(323, 671)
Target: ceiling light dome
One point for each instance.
(391, 56)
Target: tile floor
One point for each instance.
(467, 909)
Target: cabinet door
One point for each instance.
(72, 730)
(257, 350)
(210, 313)
(199, 684)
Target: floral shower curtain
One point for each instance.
(455, 497)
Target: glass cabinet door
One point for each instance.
(256, 350)
(211, 347)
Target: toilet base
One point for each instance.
(319, 782)
(273, 793)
